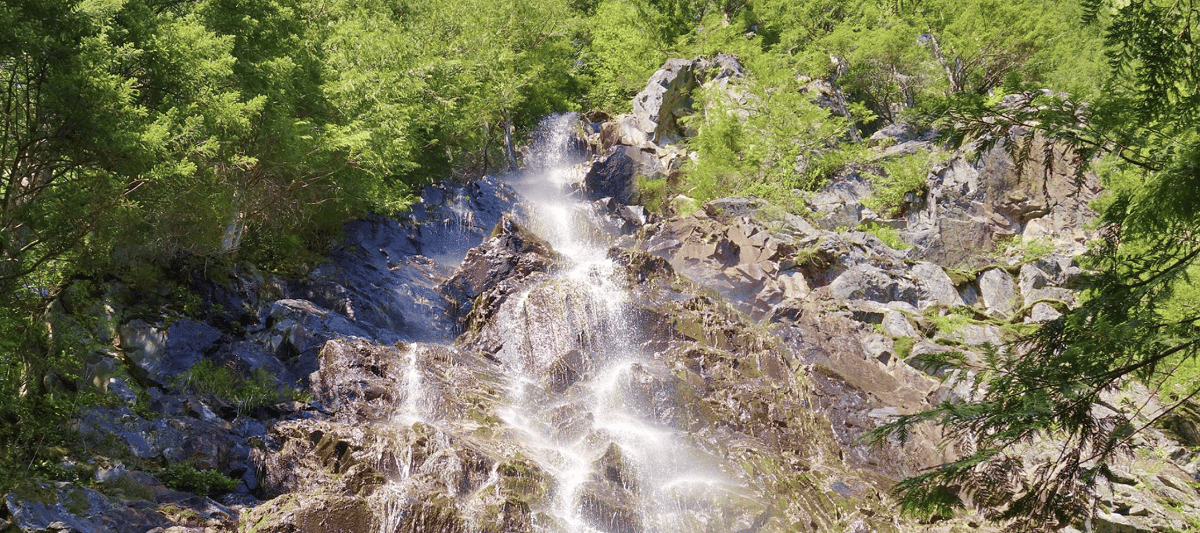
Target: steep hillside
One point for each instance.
(573, 349)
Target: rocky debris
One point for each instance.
(41, 506)
(974, 203)
(871, 283)
(387, 477)
(359, 379)
(934, 286)
(624, 130)
(741, 259)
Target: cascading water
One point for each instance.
(592, 425)
(411, 408)
(575, 407)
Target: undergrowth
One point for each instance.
(889, 235)
(897, 178)
(247, 393)
(204, 482)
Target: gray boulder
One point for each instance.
(934, 285)
(998, 292)
(668, 95)
(1036, 284)
(839, 203)
(868, 282)
(159, 357)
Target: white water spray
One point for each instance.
(413, 393)
(578, 388)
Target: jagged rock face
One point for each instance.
(974, 201)
(667, 96)
(385, 274)
(493, 271)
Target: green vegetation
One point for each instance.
(889, 235)
(1137, 319)
(205, 482)
(248, 394)
(896, 179)
(653, 193)
(775, 142)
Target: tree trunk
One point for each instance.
(952, 72)
(509, 153)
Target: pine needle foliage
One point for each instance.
(1036, 436)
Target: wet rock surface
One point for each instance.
(440, 373)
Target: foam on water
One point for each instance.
(656, 455)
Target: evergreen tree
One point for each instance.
(1137, 320)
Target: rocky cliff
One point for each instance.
(468, 367)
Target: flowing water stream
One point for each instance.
(584, 401)
(616, 467)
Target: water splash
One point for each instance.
(412, 405)
(576, 385)
(392, 503)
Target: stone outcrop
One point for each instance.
(975, 201)
(645, 143)
(668, 95)
(493, 271)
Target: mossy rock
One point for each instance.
(523, 480)
(310, 513)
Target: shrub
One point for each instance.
(898, 177)
(653, 193)
(186, 477)
(889, 235)
(247, 393)
(769, 142)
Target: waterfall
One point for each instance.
(412, 405)
(592, 413)
(575, 381)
